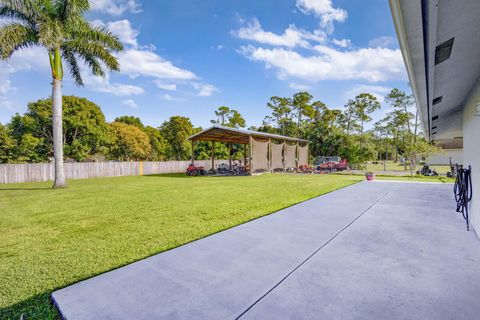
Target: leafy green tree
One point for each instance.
(7, 145)
(322, 131)
(229, 118)
(203, 150)
(158, 145)
(347, 120)
(222, 115)
(128, 142)
(301, 106)
(400, 119)
(135, 121)
(363, 106)
(401, 102)
(236, 120)
(265, 127)
(176, 132)
(383, 130)
(281, 114)
(84, 129)
(60, 27)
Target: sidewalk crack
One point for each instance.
(315, 252)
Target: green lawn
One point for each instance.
(398, 167)
(52, 238)
(416, 178)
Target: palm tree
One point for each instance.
(60, 27)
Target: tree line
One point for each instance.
(87, 136)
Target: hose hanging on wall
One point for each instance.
(463, 191)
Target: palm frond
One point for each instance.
(50, 32)
(67, 10)
(14, 36)
(94, 65)
(26, 10)
(93, 49)
(88, 32)
(71, 60)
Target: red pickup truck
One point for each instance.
(333, 166)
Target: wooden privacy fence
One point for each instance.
(32, 172)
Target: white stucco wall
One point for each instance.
(443, 157)
(471, 152)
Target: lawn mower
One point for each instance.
(195, 171)
(426, 171)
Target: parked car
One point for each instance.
(333, 166)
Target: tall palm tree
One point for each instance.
(60, 27)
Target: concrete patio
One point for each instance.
(381, 250)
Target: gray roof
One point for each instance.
(244, 132)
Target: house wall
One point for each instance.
(443, 158)
(471, 152)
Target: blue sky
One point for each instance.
(187, 57)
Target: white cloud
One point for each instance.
(5, 86)
(205, 89)
(291, 37)
(370, 64)
(136, 62)
(343, 43)
(378, 91)
(324, 10)
(171, 98)
(166, 86)
(33, 58)
(382, 42)
(116, 7)
(123, 29)
(29, 59)
(103, 84)
(130, 103)
(299, 86)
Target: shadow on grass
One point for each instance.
(36, 307)
(168, 175)
(184, 176)
(25, 189)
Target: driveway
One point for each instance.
(379, 250)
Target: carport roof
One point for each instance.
(233, 135)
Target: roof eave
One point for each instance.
(416, 86)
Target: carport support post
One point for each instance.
(296, 154)
(230, 155)
(250, 143)
(283, 156)
(193, 152)
(213, 156)
(245, 156)
(269, 155)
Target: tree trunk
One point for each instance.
(57, 133)
(386, 156)
(396, 146)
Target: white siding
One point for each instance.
(471, 148)
(443, 158)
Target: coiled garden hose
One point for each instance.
(463, 191)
